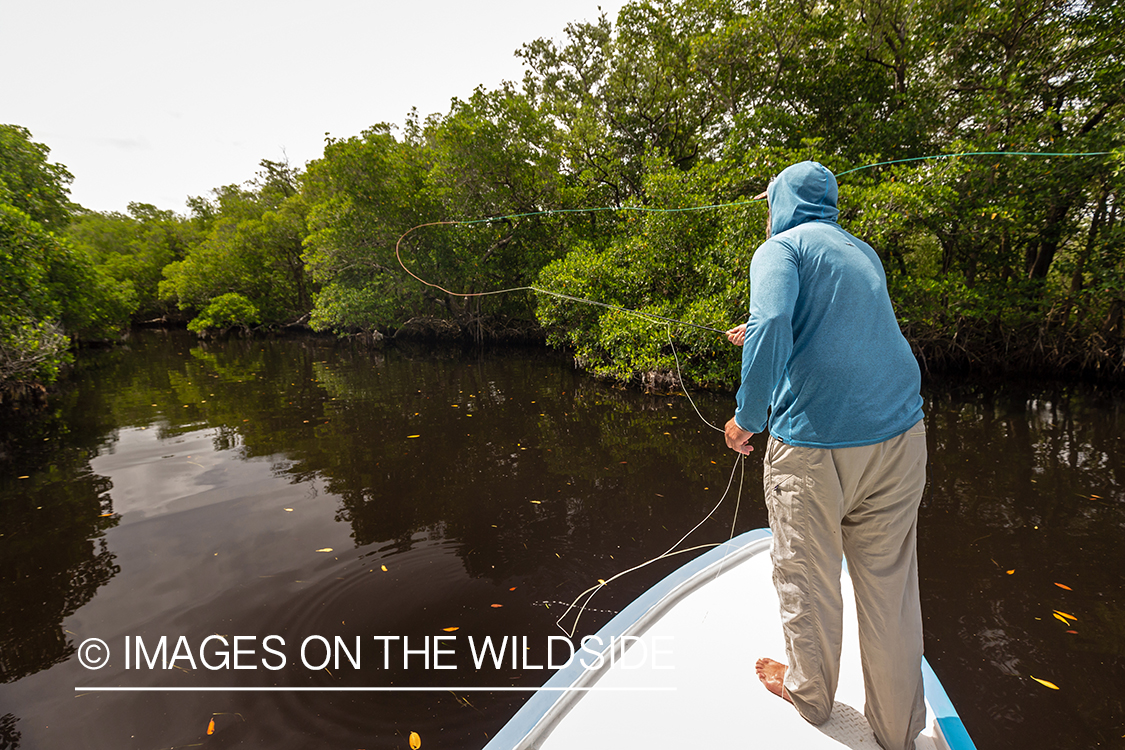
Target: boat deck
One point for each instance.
(710, 621)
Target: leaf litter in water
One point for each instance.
(415, 741)
(1051, 685)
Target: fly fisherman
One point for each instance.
(826, 367)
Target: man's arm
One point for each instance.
(768, 335)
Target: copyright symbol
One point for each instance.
(93, 653)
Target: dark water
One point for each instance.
(303, 490)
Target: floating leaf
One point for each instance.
(1064, 614)
(1051, 685)
(415, 741)
(537, 502)
(325, 549)
(411, 437)
(384, 567)
(1061, 619)
(211, 727)
(1073, 632)
(512, 589)
(494, 606)
(1064, 586)
(288, 510)
(25, 476)
(602, 582)
(450, 630)
(1013, 570)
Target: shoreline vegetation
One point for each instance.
(979, 151)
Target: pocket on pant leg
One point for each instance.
(783, 490)
(783, 476)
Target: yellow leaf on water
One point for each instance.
(211, 727)
(602, 582)
(1013, 570)
(415, 741)
(1064, 586)
(1061, 619)
(325, 549)
(450, 630)
(384, 567)
(25, 476)
(411, 437)
(1064, 614)
(1051, 685)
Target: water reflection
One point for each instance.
(300, 487)
(9, 735)
(54, 556)
(1025, 512)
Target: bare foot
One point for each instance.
(772, 675)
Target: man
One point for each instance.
(825, 364)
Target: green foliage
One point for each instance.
(51, 291)
(226, 311)
(133, 249)
(380, 203)
(31, 183)
(987, 255)
(251, 243)
(578, 181)
(683, 264)
(363, 194)
(32, 345)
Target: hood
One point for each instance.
(802, 192)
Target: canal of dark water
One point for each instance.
(296, 512)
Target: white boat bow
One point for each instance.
(677, 670)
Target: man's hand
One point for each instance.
(737, 335)
(738, 439)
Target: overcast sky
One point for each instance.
(153, 101)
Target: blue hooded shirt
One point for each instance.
(824, 360)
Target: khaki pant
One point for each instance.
(860, 502)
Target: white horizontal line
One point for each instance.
(454, 688)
